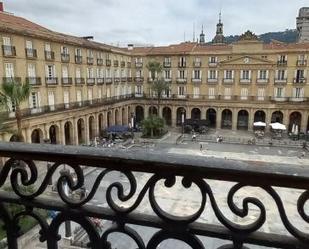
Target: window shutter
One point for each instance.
(216, 74)
(30, 101)
(302, 92)
(285, 74)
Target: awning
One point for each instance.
(259, 124)
(278, 126)
(117, 128)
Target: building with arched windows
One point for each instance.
(80, 87)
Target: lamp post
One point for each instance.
(182, 120)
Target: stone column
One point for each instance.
(268, 119)
(304, 122)
(174, 116)
(234, 119)
(203, 113)
(96, 124)
(46, 132)
(87, 130)
(188, 113)
(62, 133)
(146, 113)
(28, 135)
(104, 122)
(251, 120)
(286, 119)
(75, 132)
(218, 118)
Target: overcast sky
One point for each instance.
(157, 22)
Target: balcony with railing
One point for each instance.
(228, 81)
(281, 81)
(212, 63)
(196, 80)
(282, 63)
(169, 80)
(300, 80)
(79, 81)
(90, 60)
(11, 79)
(116, 63)
(34, 81)
(66, 81)
(108, 62)
(181, 80)
(108, 80)
(100, 62)
(31, 53)
(130, 79)
(197, 64)
(51, 81)
(301, 63)
(212, 80)
(262, 81)
(65, 57)
(139, 79)
(49, 55)
(243, 214)
(100, 81)
(245, 81)
(123, 79)
(116, 79)
(78, 59)
(90, 81)
(8, 51)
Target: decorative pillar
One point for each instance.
(203, 114)
(286, 119)
(304, 122)
(218, 118)
(62, 132)
(174, 116)
(234, 119)
(46, 133)
(251, 120)
(28, 135)
(188, 113)
(75, 132)
(96, 124)
(268, 119)
(87, 130)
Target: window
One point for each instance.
(139, 73)
(90, 73)
(283, 58)
(262, 74)
(227, 93)
(90, 94)
(228, 74)
(244, 93)
(66, 98)
(64, 50)
(245, 74)
(29, 45)
(281, 74)
(138, 60)
(182, 74)
(34, 100)
(31, 71)
(167, 60)
(279, 92)
(181, 91)
(213, 59)
(298, 92)
(211, 93)
(212, 74)
(138, 91)
(78, 52)
(182, 61)
(261, 93)
(78, 72)
(196, 92)
(65, 72)
(100, 73)
(6, 41)
(50, 71)
(47, 47)
(9, 70)
(79, 96)
(167, 74)
(51, 100)
(90, 53)
(299, 75)
(196, 74)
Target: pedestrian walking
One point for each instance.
(201, 146)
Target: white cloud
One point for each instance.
(156, 22)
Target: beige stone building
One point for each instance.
(80, 87)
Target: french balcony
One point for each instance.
(65, 58)
(280, 99)
(8, 51)
(212, 63)
(116, 63)
(108, 80)
(281, 81)
(79, 81)
(123, 79)
(245, 81)
(51, 81)
(116, 79)
(262, 81)
(139, 79)
(78, 59)
(129, 64)
(108, 62)
(282, 63)
(90, 81)
(138, 64)
(301, 63)
(11, 79)
(167, 64)
(100, 62)
(197, 64)
(212, 81)
(181, 80)
(34, 81)
(90, 60)
(300, 80)
(100, 81)
(130, 79)
(297, 99)
(196, 80)
(66, 81)
(182, 64)
(123, 64)
(228, 81)
(49, 55)
(31, 53)
(169, 80)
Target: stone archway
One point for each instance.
(68, 133)
(153, 111)
(14, 138)
(243, 120)
(259, 116)
(36, 136)
(277, 116)
(139, 114)
(295, 119)
(226, 119)
(179, 119)
(196, 114)
(54, 134)
(81, 131)
(167, 115)
(91, 127)
(211, 117)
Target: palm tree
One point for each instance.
(15, 93)
(158, 83)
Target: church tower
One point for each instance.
(202, 36)
(219, 38)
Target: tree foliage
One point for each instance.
(153, 126)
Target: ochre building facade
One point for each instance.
(80, 87)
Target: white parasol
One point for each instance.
(278, 126)
(259, 124)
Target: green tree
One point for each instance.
(15, 93)
(159, 86)
(153, 126)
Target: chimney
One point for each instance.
(1, 7)
(130, 46)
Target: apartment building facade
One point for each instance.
(80, 86)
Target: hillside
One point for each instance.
(288, 36)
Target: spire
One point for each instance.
(219, 38)
(202, 36)
(220, 17)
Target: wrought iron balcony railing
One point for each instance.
(99, 61)
(79, 81)
(66, 81)
(100, 81)
(78, 59)
(49, 55)
(65, 57)
(8, 51)
(34, 81)
(31, 53)
(127, 193)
